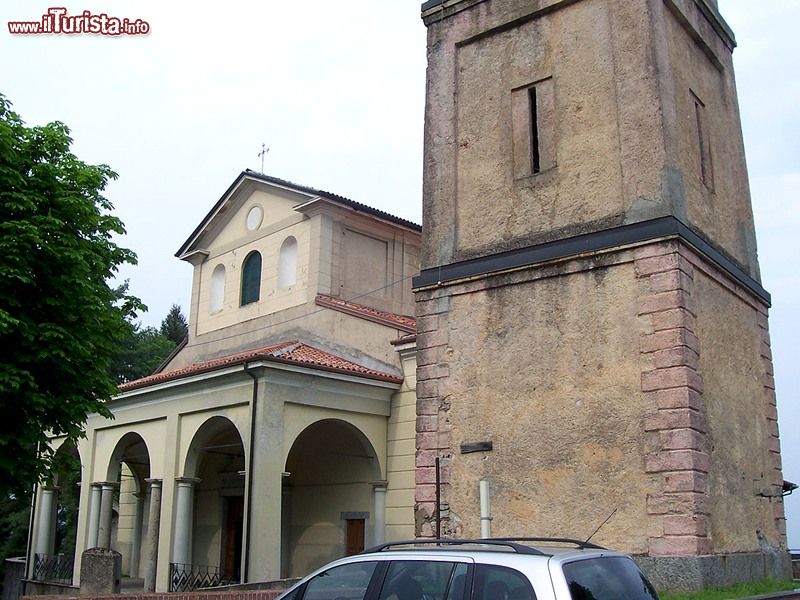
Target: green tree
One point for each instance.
(140, 353)
(60, 321)
(174, 325)
(15, 510)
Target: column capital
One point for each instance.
(153, 481)
(106, 484)
(49, 487)
(379, 484)
(188, 480)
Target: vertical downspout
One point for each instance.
(438, 502)
(250, 472)
(486, 513)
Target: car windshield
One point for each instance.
(607, 578)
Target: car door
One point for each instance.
(354, 580)
(427, 578)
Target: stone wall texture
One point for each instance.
(637, 381)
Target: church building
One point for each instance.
(281, 434)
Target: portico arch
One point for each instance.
(328, 503)
(209, 507)
(125, 499)
(131, 450)
(67, 473)
(57, 516)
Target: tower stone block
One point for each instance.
(590, 298)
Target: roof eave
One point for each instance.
(183, 251)
(187, 248)
(130, 388)
(322, 300)
(316, 203)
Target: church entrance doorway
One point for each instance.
(232, 536)
(354, 536)
(209, 546)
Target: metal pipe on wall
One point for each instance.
(486, 513)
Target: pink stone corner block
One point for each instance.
(679, 398)
(671, 377)
(691, 525)
(425, 493)
(677, 460)
(679, 546)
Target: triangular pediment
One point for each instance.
(248, 208)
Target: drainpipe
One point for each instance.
(250, 471)
(486, 517)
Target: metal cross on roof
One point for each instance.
(262, 154)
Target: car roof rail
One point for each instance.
(558, 540)
(498, 542)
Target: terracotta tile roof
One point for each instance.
(401, 322)
(288, 352)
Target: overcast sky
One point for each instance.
(335, 89)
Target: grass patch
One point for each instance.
(740, 590)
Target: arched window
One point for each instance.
(251, 278)
(217, 289)
(287, 263)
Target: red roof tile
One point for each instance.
(288, 352)
(401, 322)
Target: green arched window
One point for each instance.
(251, 278)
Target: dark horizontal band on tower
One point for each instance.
(625, 235)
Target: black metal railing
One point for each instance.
(54, 568)
(186, 578)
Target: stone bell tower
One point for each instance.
(592, 331)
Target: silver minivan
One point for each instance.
(486, 569)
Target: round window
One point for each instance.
(254, 216)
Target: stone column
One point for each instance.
(136, 546)
(48, 505)
(379, 525)
(93, 522)
(106, 514)
(151, 544)
(184, 520)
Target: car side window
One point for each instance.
(294, 594)
(345, 582)
(493, 582)
(417, 580)
(607, 578)
(458, 582)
